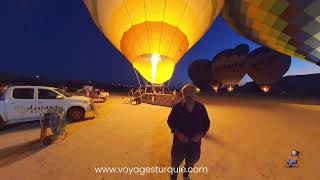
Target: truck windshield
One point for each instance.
(63, 92)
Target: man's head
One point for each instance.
(189, 93)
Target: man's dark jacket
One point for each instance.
(189, 123)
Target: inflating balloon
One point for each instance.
(266, 66)
(154, 34)
(229, 66)
(215, 84)
(291, 27)
(200, 73)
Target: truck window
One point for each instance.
(63, 92)
(23, 93)
(47, 94)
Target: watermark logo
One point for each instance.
(147, 170)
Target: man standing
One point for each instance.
(189, 122)
(130, 94)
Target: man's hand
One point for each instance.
(197, 137)
(181, 137)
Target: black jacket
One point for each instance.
(188, 123)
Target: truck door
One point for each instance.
(21, 107)
(48, 100)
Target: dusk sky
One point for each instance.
(58, 39)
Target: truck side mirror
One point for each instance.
(59, 97)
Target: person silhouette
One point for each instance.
(189, 122)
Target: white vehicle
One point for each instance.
(28, 103)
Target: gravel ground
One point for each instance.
(250, 138)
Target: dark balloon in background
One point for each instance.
(229, 66)
(199, 72)
(266, 66)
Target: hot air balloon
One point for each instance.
(229, 66)
(154, 34)
(215, 84)
(266, 66)
(290, 27)
(200, 73)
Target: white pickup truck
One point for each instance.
(28, 103)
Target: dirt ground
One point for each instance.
(250, 138)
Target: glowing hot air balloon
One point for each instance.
(154, 34)
(291, 27)
(215, 85)
(266, 66)
(229, 66)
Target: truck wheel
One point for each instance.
(76, 114)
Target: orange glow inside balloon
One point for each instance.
(265, 88)
(154, 34)
(215, 88)
(155, 68)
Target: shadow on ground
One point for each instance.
(214, 139)
(18, 152)
(20, 127)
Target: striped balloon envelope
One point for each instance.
(291, 27)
